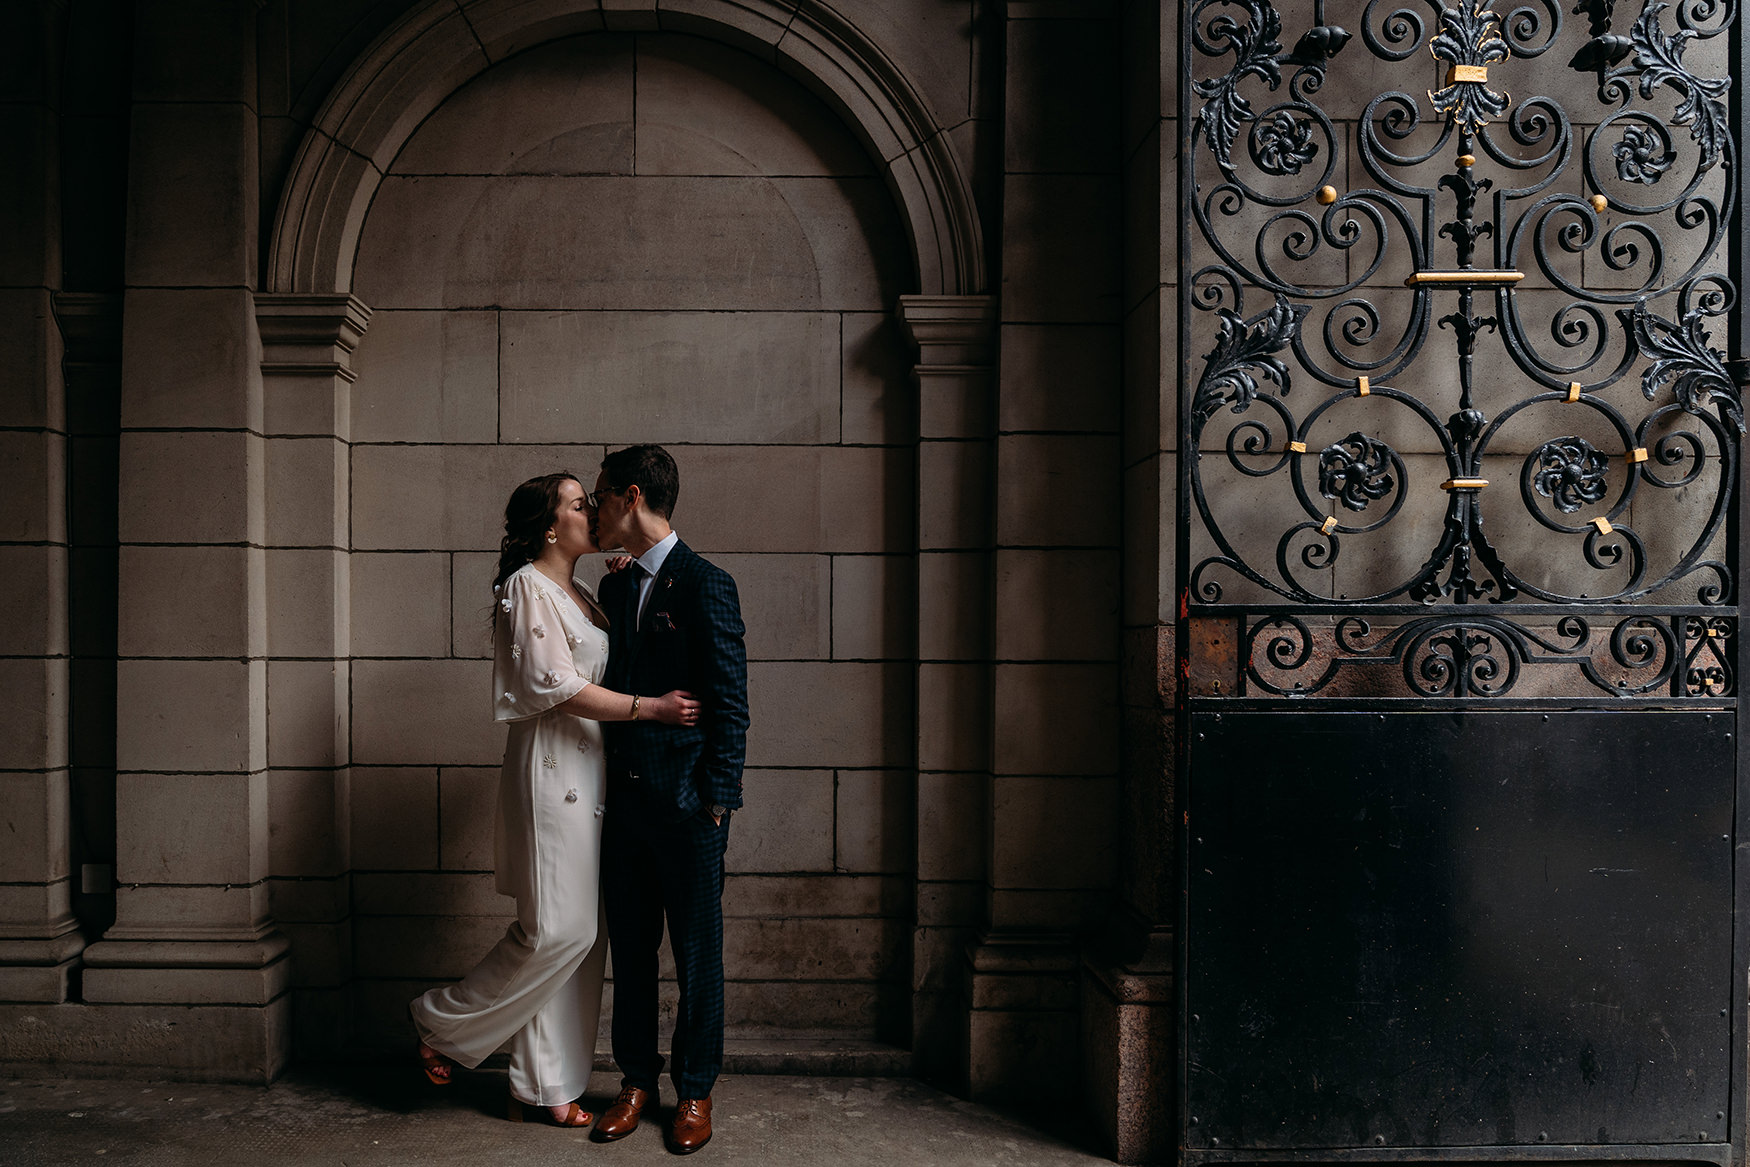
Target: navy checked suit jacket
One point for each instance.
(690, 638)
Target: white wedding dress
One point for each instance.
(540, 988)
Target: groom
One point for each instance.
(676, 624)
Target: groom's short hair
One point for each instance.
(651, 470)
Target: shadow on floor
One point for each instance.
(389, 1115)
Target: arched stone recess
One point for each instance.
(441, 44)
(370, 146)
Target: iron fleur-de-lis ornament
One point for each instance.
(1469, 42)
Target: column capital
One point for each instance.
(301, 332)
(951, 330)
(91, 325)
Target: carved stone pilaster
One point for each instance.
(955, 377)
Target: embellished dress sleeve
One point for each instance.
(533, 669)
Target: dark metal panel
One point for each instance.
(1442, 930)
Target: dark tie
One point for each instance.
(636, 574)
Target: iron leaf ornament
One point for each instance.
(1245, 353)
(1659, 58)
(1681, 355)
(1256, 50)
(1470, 38)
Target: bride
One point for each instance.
(540, 987)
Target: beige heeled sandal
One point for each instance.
(439, 1070)
(575, 1115)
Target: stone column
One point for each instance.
(192, 922)
(956, 339)
(306, 364)
(39, 940)
(1054, 789)
(1129, 1000)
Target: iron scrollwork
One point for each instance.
(1482, 654)
(1347, 328)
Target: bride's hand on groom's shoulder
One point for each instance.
(619, 562)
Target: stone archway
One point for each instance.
(310, 318)
(440, 45)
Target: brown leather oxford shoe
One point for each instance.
(621, 1119)
(691, 1128)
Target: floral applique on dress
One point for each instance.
(549, 761)
(516, 652)
(541, 630)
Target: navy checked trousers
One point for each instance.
(654, 870)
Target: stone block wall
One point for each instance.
(869, 269)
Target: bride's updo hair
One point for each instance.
(527, 518)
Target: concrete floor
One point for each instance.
(379, 1116)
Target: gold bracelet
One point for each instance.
(635, 700)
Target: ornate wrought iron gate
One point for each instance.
(1459, 563)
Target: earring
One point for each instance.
(552, 538)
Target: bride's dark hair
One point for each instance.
(527, 517)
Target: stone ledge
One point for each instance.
(219, 1043)
(56, 948)
(37, 983)
(809, 1056)
(816, 1057)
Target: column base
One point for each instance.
(1021, 992)
(1129, 1059)
(187, 972)
(40, 971)
(210, 1043)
